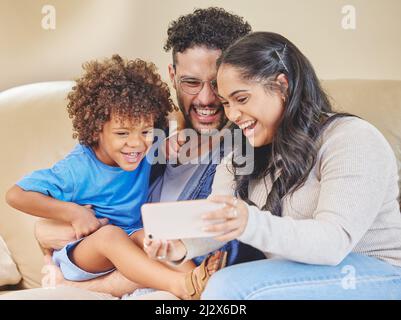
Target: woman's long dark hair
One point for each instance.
(262, 56)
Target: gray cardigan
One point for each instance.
(348, 203)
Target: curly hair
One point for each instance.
(213, 27)
(125, 89)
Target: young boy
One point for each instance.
(115, 106)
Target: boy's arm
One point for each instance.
(40, 205)
(81, 218)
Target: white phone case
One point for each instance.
(177, 220)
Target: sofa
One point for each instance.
(35, 132)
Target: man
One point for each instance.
(196, 41)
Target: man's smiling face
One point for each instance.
(194, 70)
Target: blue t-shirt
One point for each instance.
(83, 179)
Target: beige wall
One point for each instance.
(88, 29)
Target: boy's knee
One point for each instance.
(108, 233)
(52, 234)
(11, 197)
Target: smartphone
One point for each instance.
(177, 220)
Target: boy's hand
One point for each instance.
(85, 222)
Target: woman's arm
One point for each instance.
(356, 167)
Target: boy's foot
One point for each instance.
(197, 279)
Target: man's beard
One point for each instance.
(188, 121)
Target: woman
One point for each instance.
(321, 201)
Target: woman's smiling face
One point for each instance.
(250, 105)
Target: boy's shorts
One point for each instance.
(71, 271)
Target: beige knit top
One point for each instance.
(348, 203)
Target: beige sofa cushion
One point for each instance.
(8, 270)
(35, 132)
(376, 101)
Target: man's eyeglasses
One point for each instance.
(193, 86)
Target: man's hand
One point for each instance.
(84, 220)
(182, 147)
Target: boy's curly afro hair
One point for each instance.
(213, 28)
(128, 90)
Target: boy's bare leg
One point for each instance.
(138, 237)
(113, 283)
(54, 235)
(110, 246)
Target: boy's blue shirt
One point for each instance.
(81, 178)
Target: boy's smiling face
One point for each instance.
(124, 143)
